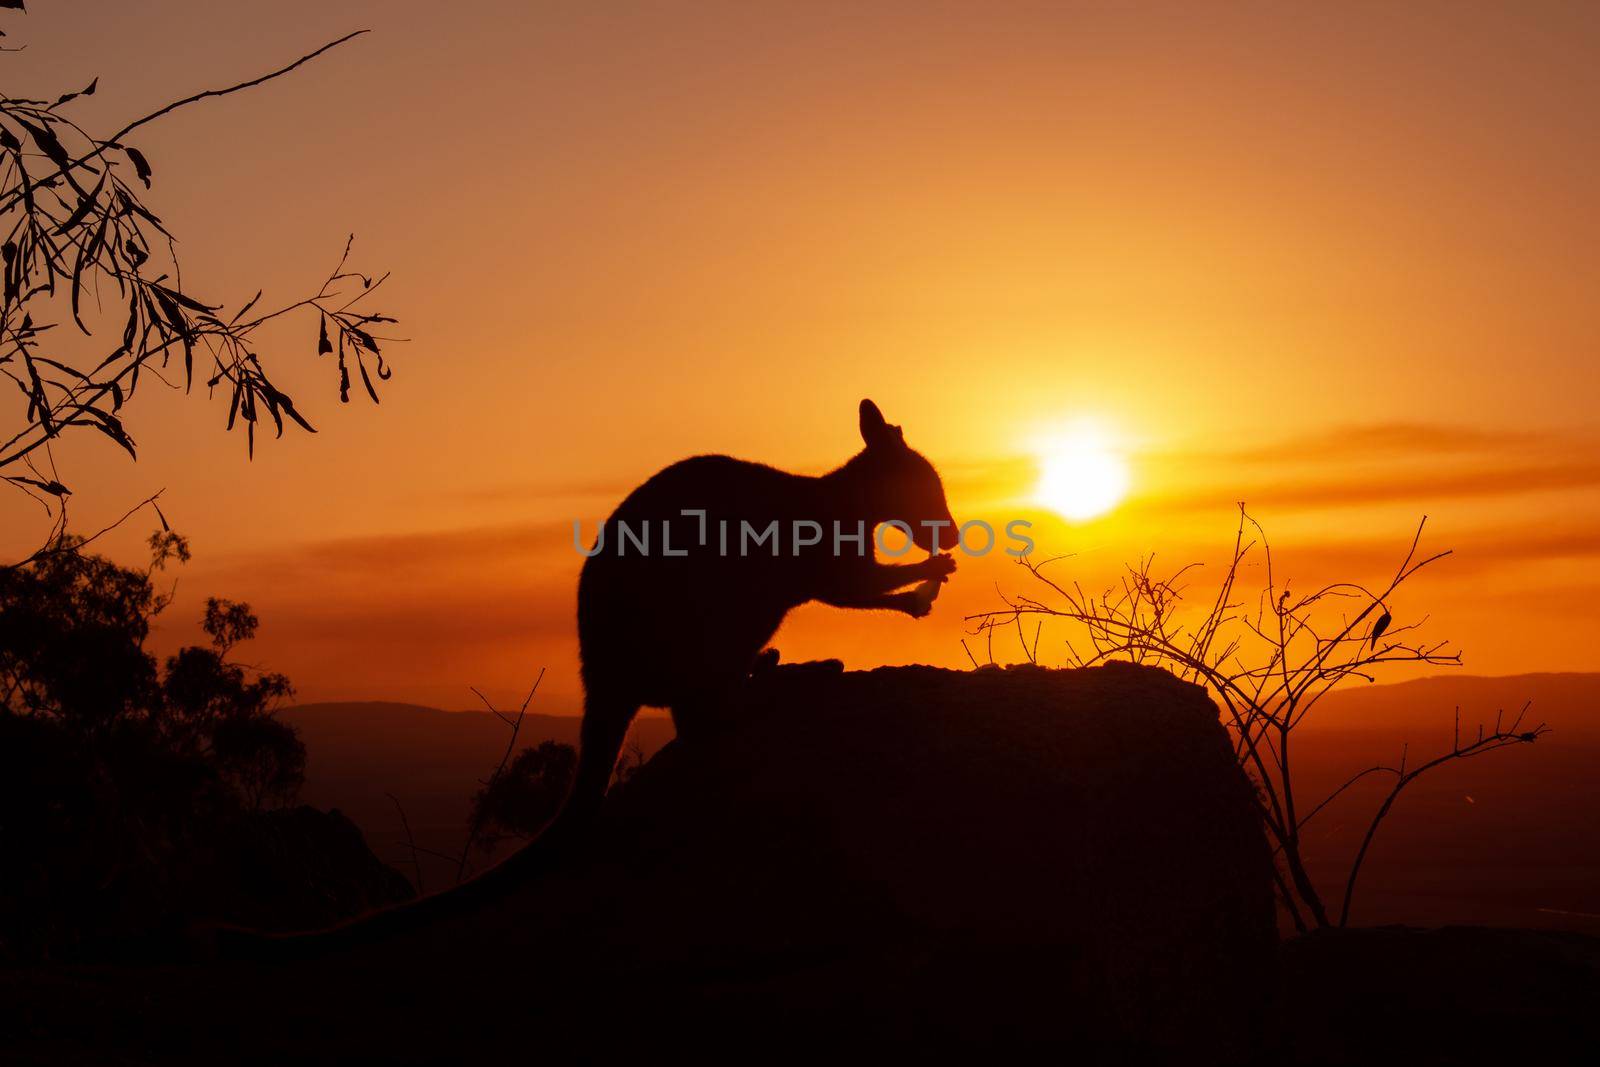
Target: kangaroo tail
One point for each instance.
(601, 736)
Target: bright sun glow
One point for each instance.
(1081, 474)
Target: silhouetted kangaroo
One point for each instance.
(688, 580)
(679, 632)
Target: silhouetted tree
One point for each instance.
(524, 793)
(1268, 660)
(208, 697)
(83, 250)
(524, 796)
(112, 766)
(72, 632)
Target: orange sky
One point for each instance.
(1338, 264)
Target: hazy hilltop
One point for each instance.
(1505, 838)
(1567, 702)
(431, 761)
(1508, 837)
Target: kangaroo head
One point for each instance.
(901, 483)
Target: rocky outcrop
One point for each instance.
(1019, 857)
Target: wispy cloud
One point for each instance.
(534, 493)
(1419, 485)
(1388, 440)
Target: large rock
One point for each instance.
(938, 858)
(946, 864)
(291, 869)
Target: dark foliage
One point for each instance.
(526, 795)
(114, 768)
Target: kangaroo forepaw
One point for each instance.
(919, 601)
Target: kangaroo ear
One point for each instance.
(874, 430)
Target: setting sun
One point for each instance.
(1081, 474)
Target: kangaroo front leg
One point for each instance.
(875, 587)
(887, 577)
(914, 602)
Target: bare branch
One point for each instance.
(251, 84)
(476, 827)
(1268, 667)
(411, 841)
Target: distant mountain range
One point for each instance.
(1507, 838)
(1567, 702)
(373, 760)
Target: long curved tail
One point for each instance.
(605, 726)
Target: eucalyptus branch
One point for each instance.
(80, 247)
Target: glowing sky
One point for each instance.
(1339, 264)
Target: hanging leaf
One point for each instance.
(373, 393)
(54, 488)
(289, 408)
(169, 300)
(141, 166)
(187, 301)
(364, 338)
(248, 305)
(88, 254)
(88, 90)
(109, 425)
(81, 212)
(271, 397)
(48, 143)
(324, 346)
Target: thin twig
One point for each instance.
(411, 841)
(476, 826)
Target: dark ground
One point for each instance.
(950, 865)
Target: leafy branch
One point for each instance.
(80, 245)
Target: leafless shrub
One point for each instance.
(1268, 659)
